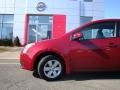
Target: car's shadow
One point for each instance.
(93, 76)
(88, 76)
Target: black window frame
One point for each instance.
(118, 29)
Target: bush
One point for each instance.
(17, 41)
(6, 42)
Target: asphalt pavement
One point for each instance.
(12, 77)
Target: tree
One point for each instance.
(17, 41)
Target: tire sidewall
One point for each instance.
(42, 62)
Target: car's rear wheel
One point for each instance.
(50, 68)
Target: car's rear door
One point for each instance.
(96, 51)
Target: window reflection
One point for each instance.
(6, 27)
(0, 18)
(7, 18)
(32, 36)
(0, 30)
(99, 30)
(40, 28)
(7, 31)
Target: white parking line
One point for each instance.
(9, 63)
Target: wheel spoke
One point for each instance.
(56, 64)
(57, 69)
(50, 63)
(55, 73)
(46, 68)
(50, 73)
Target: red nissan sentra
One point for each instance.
(94, 46)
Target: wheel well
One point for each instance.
(45, 54)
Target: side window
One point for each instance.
(99, 30)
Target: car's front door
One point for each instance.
(97, 50)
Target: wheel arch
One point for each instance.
(66, 62)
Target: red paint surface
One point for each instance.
(59, 25)
(26, 29)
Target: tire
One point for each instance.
(50, 68)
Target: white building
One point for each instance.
(34, 20)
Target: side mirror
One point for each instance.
(77, 36)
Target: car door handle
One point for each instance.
(112, 45)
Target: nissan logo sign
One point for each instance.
(41, 6)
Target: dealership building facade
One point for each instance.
(35, 20)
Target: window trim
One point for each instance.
(115, 29)
(118, 31)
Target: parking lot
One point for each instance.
(12, 77)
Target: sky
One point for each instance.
(112, 9)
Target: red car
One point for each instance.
(94, 46)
